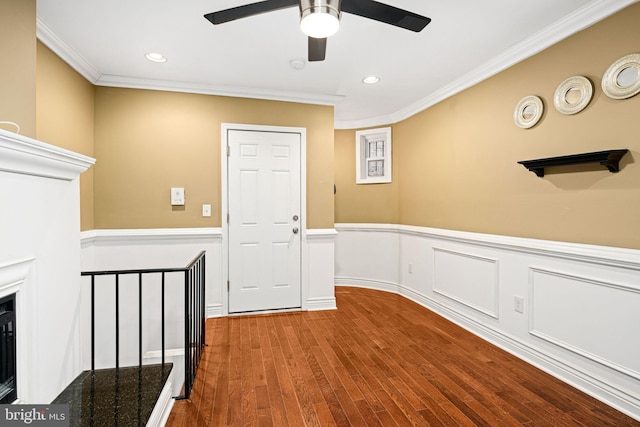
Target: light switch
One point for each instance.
(206, 210)
(177, 196)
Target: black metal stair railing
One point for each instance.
(194, 314)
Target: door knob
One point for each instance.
(295, 230)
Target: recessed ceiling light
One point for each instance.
(155, 57)
(371, 80)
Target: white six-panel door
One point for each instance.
(264, 220)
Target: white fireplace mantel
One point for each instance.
(40, 261)
(24, 155)
(12, 274)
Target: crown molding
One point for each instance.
(580, 19)
(68, 55)
(89, 72)
(231, 91)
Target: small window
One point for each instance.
(373, 156)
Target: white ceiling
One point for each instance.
(466, 42)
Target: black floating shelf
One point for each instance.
(609, 158)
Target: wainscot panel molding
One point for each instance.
(562, 304)
(579, 317)
(468, 279)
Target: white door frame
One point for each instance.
(224, 205)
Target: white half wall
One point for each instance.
(165, 248)
(580, 315)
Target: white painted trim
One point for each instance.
(163, 406)
(362, 169)
(65, 52)
(12, 275)
(214, 310)
(377, 285)
(613, 396)
(496, 297)
(316, 304)
(23, 155)
(157, 354)
(588, 15)
(224, 206)
(601, 255)
(591, 376)
(321, 234)
(103, 237)
(567, 346)
(207, 89)
(582, 18)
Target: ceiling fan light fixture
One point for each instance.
(320, 18)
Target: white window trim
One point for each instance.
(362, 138)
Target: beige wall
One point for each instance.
(65, 117)
(18, 69)
(455, 163)
(376, 203)
(149, 141)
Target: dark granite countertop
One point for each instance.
(108, 397)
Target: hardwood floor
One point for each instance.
(379, 360)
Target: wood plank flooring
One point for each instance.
(379, 360)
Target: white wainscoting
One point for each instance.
(318, 269)
(160, 248)
(581, 312)
(157, 248)
(469, 279)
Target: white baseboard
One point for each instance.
(161, 411)
(315, 304)
(214, 310)
(590, 346)
(556, 367)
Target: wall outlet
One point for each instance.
(518, 304)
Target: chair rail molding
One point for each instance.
(552, 304)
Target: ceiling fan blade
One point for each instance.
(384, 13)
(246, 10)
(317, 49)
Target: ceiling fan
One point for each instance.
(320, 19)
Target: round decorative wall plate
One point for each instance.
(573, 95)
(528, 111)
(622, 78)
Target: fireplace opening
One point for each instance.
(8, 391)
